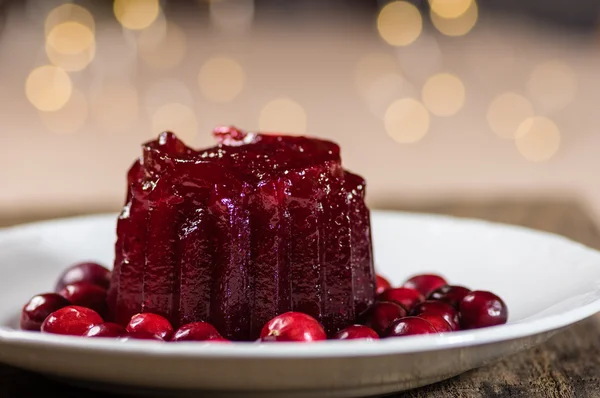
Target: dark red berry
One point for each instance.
(141, 335)
(106, 329)
(437, 321)
(39, 307)
(292, 326)
(84, 272)
(196, 331)
(449, 294)
(356, 332)
(446, 311)
(149, 323)
(406, 297)
(382, 284)
(382, 314)
(480, 309)
(425, 283)
(86, 295)
(410, 325)
(71, 320)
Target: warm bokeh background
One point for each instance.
(429, 100)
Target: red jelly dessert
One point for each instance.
(238, 233)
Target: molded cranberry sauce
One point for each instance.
(241, 232)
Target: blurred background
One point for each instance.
(429, 100)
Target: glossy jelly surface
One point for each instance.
(238, 233)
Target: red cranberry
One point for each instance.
(480, 309)
(425, 283)
(142, 335)
(86, 295)
(356, 332)
(449, 294)
(382, 314)
(406, 297)
(292, 326)
(196, 331)
(72, 320)
(39, 307)
(150, 323)
(437, 321)
(446, 311)
(84, 272)
(382, 284)
(410, 325)
(107, 329)
(219, 340)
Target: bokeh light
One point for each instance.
(232, 15)
(406, 120)
(538, 139)
(458, 26)
(71, 62)
(384, 90)
(552, 85)
(221, 79)
(421, 59)
(506, 112)
(116, 51)
(162, 46)
(70, 118)
(48, 88)
(114, 105)
(70, 37)
(70, 45)
(443, 94)
(450, 8)
(165, 91)
(399, 23)
(136, 14)
(177, 118)
(370, 67)
(282, 115)
(69, 12)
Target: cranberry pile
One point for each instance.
(424, 304)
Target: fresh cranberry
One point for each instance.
(72, 320)
(446, 311)
(84, 272)
(437, 321)
(449, 294)
(86, 295)
(480, 309)
(107, 329)
(382, 284)
(39, 307)
(292, 326)
(406, 297)
(382, 314)
(219, 340)
(196, 331)
(425, 283)
(410, 325)
(150, 323)
(142, 335)
(356, 332)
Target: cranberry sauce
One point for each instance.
(241, 232)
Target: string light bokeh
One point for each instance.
(460, 94)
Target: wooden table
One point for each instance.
(568, 365)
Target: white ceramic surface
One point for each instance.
(548, 282)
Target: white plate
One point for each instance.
(548, 282)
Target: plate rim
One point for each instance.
(326, 349)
